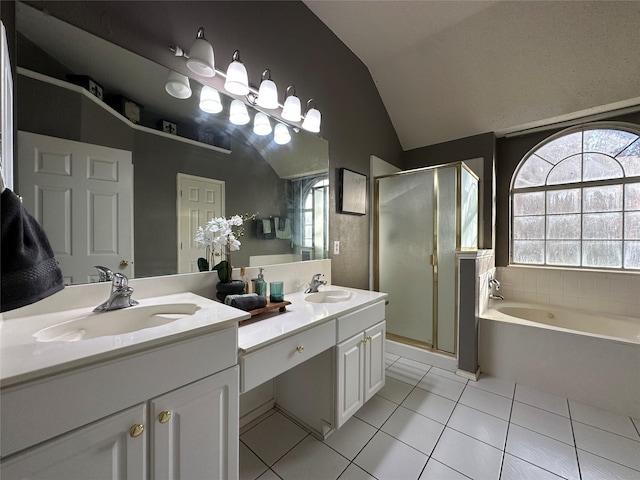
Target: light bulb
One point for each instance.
(210, 100)
(281, 134)
(238, 114)
(268, 92)
(312, 119)
(201, 59)
(237, 81)
(261, 124)
(292, 109)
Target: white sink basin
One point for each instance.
(115, 322)
(329, 296)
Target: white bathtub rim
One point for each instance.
(491, 313)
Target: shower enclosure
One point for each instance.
(422, 218)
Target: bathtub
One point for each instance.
(589, 357)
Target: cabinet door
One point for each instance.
(103, 450)
(374, 360)
(195, 430)
(350, 394)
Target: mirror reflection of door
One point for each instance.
(82, 195)
(199, 200)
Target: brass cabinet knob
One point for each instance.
(164, 416)
(368, 339)
(124, 264)
(300, 348)
(136, 430)
(364, 340)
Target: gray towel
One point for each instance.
(29, 270)
(283, 228)
(266, 226)
(230, 298)
(249, 302)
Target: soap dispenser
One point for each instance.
(261, 284)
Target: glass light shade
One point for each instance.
(178, 85)
(210, 100)
(261, 124)
(292, 110)
(238, 114)
(237, 81)
(268, 95)
(281, 134)
(201, 57)
(312, 120)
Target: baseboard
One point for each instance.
(424, 356)
(469, 375)
(257, 413)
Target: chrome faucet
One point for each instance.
(120, 296)
(493, 282)
(315, 283)
(106, 275)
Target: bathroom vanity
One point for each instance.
(162, 402)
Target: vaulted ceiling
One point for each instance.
(451, 69)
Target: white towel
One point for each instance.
(283, 232)
(266, 226)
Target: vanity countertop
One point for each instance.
(301, 315)
(23, 357)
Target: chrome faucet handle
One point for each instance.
(493, 282)
(120, 280)
(317, 277)
(106, 275)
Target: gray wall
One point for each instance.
(299, 49)
(477, 146)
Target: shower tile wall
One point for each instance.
(597, 291)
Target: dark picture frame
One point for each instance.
(352, 192)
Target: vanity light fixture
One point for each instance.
(281, 134)
(268, 92)
(237, 81)
(312, 118)
(210, 100)
(200, 59)
(178, 85)
(261, 124)
(238, 114)
(291, 110)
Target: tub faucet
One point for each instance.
(496, 297)
(120, 296)
(315, 283)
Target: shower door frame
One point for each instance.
(459, 165)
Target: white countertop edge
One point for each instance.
(301, 316)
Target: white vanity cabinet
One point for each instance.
(166, 412)
(360, 371)
(326, 390)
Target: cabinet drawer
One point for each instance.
(262, 365)
(357, 322)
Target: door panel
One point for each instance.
(374, 363)
(82, 195)
(350, 394)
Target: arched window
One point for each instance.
(575, 200)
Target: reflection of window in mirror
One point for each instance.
(314, 209)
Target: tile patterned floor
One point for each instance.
(428, 423)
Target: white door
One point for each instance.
(195, 430)
(82, 195)
(104, 450)
(350, 391)
(374, 360)
(6, 112)
(199, 200)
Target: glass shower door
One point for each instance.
(405, 244)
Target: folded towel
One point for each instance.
(29, 270)
(229, 298)
(249, 302)
(284, 228)
(264, 231)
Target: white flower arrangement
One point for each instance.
(220, 239)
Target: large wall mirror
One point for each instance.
(140, 145)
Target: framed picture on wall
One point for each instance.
(352, 192)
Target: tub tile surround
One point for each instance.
(608, 292)
(408, 435)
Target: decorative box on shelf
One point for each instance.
(168, 127)
(131, 110)
(88, 83)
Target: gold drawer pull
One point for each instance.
(136, 430)
(363, 341)
(368, 339)
(164, 417)
(300, 348)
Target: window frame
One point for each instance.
(581, 185)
